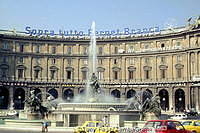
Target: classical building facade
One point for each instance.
(167, 64)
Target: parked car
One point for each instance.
(95, 127)
(163, 126)
(192, 125)
(179, 117)
(191, 112)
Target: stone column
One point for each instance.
(11, 103)
(196, 62)
(123, 69)
(171, 99)
(44, 94)
(27, 94)
(123, 94)
(187, 97)
(66, 120)
(60, 91)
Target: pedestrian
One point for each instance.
(105, 121)
(44, 126)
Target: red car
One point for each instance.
(163, 126)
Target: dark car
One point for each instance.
(163, 126)
(191, 113)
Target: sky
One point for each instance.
(107, 14)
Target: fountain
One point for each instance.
(94, 105)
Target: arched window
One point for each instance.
(4, 98)
(164, 99)
(19, 97)
(179, 100)
(68, 94)
(131, 93)
(162, 45)
(115, 93)
(53, 92)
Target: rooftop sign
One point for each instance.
(116, 32)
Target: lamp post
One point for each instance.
(180, 103)
(19, 99)
(164, 103)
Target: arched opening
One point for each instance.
(179, 100)
(115, 93)
(19, 97)
(162, 45)
(82, 91)
(68, 94)
(131, 93)
(53, 92)
(164, 99)
(4, 98)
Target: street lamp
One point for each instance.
(180, 104)
(180, 99)
(19, 98)
(164, 103)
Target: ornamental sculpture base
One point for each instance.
(150, 116)
(33, 116)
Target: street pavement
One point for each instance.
(35, 129)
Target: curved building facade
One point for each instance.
(167, 64)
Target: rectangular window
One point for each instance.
(84, 74)
(131, 61)
(5, 59)
(116, 50)
(100, 50)
(3, 72)
(53, 74)
(130, 75)
(53, 61)
(100, 61)
(179, 73)
(146, 72)
(37, 61)
(53, 50)
(163, 74)
(146, 46)
(69, 50)
(179, 58)
(69, 62)
(5, 45)
(115, 61)
(69, 74)
(146, 60)
(178, 44)
(85, 50)
(36, 74)
(37, 49)
(20, 60)
(20, 73)
(21, 48)
(85, 61)
(115, 75)
(100, 75)
(162, 59)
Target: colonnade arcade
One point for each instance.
(175, 99)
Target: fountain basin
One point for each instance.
(75, 114)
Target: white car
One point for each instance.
(179, 117)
